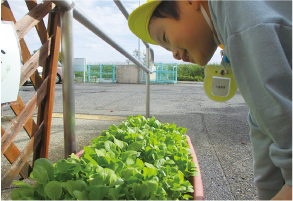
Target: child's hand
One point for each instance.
(284, 194)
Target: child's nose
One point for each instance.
(176, 54)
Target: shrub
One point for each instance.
(190, 72)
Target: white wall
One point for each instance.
(128, 74)
(80, 64)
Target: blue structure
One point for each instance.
(102, 72)
(163, 73)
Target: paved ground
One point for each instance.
(219, 131)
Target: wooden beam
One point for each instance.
(31, 19)
(35, 61)
(11, 154)
(40, 27)
(50, 69)
(20, 161)
(30, 126)
(22, 118)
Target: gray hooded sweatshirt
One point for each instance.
(257, 37)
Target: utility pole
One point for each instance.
(138, 40)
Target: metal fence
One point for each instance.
(162, 73)
(97, 73)
(101, 73)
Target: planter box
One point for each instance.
(196, 181)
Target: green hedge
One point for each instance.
(191, 72)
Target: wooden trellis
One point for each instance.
(43, 97)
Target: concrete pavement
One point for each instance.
(218, 131)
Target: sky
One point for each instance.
(108, 17)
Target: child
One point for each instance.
(257, 40)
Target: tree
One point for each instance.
(60, 57)
(142, 55)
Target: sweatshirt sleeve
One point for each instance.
(261, 59)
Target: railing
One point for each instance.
(70, 11)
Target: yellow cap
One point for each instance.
(139, 19)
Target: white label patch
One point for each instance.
(220, 86)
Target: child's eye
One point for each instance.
(164, 37)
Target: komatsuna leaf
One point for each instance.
(106, 174)
(139, 191)
(27, 198)
(98, 193)
(113, 194)
(159, 162)
(89, 159)
(40, 189)
(126, 173)
(40, 175)
(53, 190)
(110, 146)
(153, 198)
(122, 145)
(47, 165)
(23, 185)
(62, 166)
(189, 187)
(125, 154)
(74, 157)
(135, 146)
(97, 181)
(186, 196)
(89, 151)
(152, 186)
(81, 195)
(100, 152)
(26, 192)
(15, 195)
(149, 172)
(178, 187)
(118, 181)
(75, 185)
(117, 166)
(149, 165)
(113, 129)
(139, 165)
(130, 160)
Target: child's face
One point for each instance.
(188, 38)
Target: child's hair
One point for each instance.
(166, 9)
(140, 19)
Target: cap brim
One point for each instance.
(139, 19)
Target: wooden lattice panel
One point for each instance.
(43, 98)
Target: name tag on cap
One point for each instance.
(219, 83)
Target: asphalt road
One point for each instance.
(219, 131)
